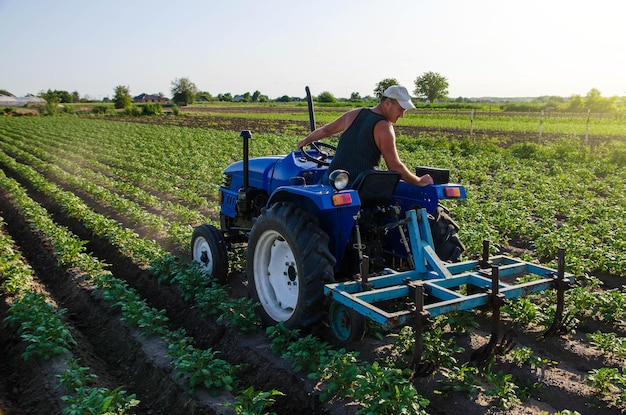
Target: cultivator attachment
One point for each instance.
(435, 287)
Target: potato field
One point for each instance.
(103, 313)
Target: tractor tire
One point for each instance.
(288, 263)
(448, 246)
(208, 248)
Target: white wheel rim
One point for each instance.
(202, 250)
(276, 276)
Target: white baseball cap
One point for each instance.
(400, 94)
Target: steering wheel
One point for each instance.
(323, 155)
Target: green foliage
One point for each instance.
(338, 370)
(382, 85)
(437, 348)
(281, 337)
(152, 109)
(40, 326)
(526, 356)
(183, 91)
(133, 111)
(463, 379)
(523, 311)
(121, 97)
(56, 96)
(326, 97)
(239, 313)
(253, 402)
(210, 297)
(201, 367)
(609, 384)
(387, 391)
(431, 86)
(84, 399)
(306, 353)
(100, 109)
(15, 275)
(504, 391)
(99, 401)
(609, 343)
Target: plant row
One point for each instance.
(41, 326)
(196, 367)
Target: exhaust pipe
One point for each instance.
(246, 135)
(309, 102)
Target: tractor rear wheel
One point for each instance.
(208, 248)
(288, 263)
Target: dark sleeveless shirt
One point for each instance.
(357, 150)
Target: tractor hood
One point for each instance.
(270, 172)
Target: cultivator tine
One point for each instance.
(561, 284)
(484, 261)
(494, 346)
(421, 319)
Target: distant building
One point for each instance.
(151, 98)
(11, 101)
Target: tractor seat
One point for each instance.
(376, 187)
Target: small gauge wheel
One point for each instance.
(346, 324)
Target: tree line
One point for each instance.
(429, 88)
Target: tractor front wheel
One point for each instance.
(288, 263)
(208, 248)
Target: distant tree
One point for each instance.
(431, 86)
(596, 103)
(256, 95)
(57, 96)
(284, 98)
(326, 97)
(246, 97)
(355, 97)
(227, 97)
(49, 96)
(75, 96)
(121, 97)
(204, 95)
(6, 93)
(384, 84)
(183, 91)
(575, 104)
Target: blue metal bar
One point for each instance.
(441, 281)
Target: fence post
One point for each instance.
(587, 127)
(540, 127)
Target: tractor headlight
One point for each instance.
(339, 179)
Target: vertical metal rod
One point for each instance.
(309, 101)
(418, 349)
(560, 290)
(561, 263)
(495, 291)
(484, 263)
(246, 135)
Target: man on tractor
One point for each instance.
(367, 134)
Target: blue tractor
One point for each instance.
(368, 247)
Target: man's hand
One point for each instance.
(425, 180)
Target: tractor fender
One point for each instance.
(336, 221)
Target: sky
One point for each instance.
(484, 48)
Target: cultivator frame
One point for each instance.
(432, 288)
